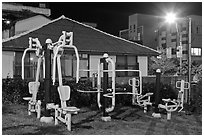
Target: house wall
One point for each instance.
(30, 23)
(143, 65)
(7, 64)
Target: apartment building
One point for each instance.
(155, 32)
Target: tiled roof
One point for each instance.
(86, 38)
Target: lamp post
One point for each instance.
(189, 58)
(171, 18)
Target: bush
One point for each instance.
(196, 100)
(13, 91)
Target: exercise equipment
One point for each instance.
(65, 41)
(137, 97)
(172, 105)
(33, 104)
(63, 113)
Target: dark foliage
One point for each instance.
(13, 91)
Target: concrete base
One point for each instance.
(108, 118)
(156, 115)
(46, 119)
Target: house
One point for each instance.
(90, 42)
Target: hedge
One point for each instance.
(13, 91)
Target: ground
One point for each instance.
(126, 120)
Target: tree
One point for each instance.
(166, 65)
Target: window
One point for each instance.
(132, 65)
(126, 62)
(30, 65)
(121, 63)
(163, 45)
(199, 29)
(130, 28)
(184, 29)
(173, 34)
(140, 33)
(185, 42)
(196, 51)
(163, 38)
(184, 35)
(138, 36)
(173, 40)
(83, 64)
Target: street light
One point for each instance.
(171, 18)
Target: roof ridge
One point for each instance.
(29, 31)
(112, 35)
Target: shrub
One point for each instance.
(196, 100)
(13, 91)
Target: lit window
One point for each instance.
(196, 51)
(138, 36)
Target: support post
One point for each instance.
(157, 94)
(47, 83)
(189, 63)
(105, 116)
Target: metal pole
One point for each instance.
(105, 116)
(179, 44)
(105, 85)
(47, 83)
(156, 113)
(157, 93)
(189, 60)
(47, 118)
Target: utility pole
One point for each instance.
(189, 60)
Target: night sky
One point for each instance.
(113, 16)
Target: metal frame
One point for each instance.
(137, 98)
(33, 104)
(176, 103)
(64, 112)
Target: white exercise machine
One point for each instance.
(172, 105)
(63, 113)
(137, 97)
(33, 104)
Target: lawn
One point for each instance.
(126, 120)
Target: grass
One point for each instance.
(126, 120)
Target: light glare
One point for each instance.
(170, 18)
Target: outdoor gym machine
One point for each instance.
(172, 105)
(137, 97)
(63, 113)
(33, 104)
